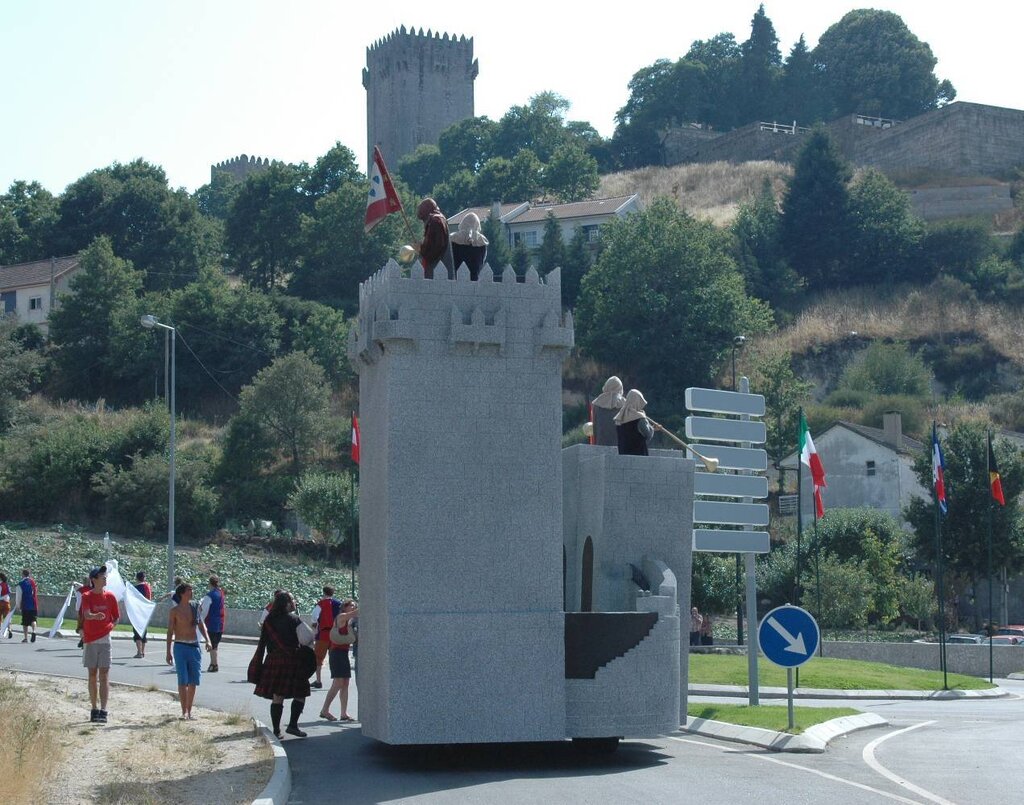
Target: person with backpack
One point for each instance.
(183, 628)
(342, 636)
(213, 611)
(326, 610)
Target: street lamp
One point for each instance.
(737, 343)
(170, 337)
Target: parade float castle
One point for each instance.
(510, 590)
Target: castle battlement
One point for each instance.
(516, 315)
(401, 35)
(241, 166)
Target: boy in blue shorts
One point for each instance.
(183, 628)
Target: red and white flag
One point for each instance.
(809, 456)
(382, 199)
(355, 438)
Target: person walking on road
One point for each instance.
(28, 600)
(98, 614)
(282, 675)
(213, 612)
(326, 610)
(341, 636)
(184, 627)
(5, 602)
(147, 592)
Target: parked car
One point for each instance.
(1006, 640)
(965, 638)
(1012, 629)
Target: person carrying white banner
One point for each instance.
(136, 606)
(59, 620)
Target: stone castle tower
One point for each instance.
(417, 85)
(241, 167)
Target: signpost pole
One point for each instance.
(789, 703)
(753, 692)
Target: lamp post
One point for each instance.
(737, 343)
(150, 322)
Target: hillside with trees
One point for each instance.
(851, 306)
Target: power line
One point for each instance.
(208, 372)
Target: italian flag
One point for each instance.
(809, 456)
(355, 438)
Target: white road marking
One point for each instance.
(869, 757)
(826, 775)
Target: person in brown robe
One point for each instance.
(436, 246)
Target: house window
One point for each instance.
(870, 468)
(592, 231)
(35, 303)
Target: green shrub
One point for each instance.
(848, 398)
(135, 496)
(911, 410)
(822, 417)
(846, 589)
(888, 369)
(714, 583)
(1008, 410)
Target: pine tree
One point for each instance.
(801, 92)
(578, 259)
(760, 70)
(816, 227)
(551, 254)
(498, 253)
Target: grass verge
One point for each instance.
(29, 734)
(824, 672)
(770, 717)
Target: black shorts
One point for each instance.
(215, 638)
(340, 667)
(139, 637)
(28, 617)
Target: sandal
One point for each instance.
(329, 717)
(346, 718)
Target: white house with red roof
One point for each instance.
(31, 290)
(524, 222)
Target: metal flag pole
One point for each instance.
(991, 502)
(938, 565)
(817, 578)
(799, 510)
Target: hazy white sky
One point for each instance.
(188, 83)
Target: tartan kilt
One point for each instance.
(282, 676)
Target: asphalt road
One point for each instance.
(957, 751)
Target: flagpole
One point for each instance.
(991, 503)
(938, 564)
(799, 509)
(817, 578)
(352, 530)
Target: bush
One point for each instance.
(46, 469)
(135, 496)
(1008, 410)
(776, 575)
(822, 417)
(846, 589)
(911, 410)
(888, 369)
(714, 583)
(848, 398)
(917, 599)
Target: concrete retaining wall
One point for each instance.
(960, 658)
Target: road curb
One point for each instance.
(812, 740)
(279, 787)
(740, 691)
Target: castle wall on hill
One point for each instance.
(417, 85)
(241, 167)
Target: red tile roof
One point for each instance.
(21, 275)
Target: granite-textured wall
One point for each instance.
(417, 85)
(631, 507)
(961, 658)
(461, 625)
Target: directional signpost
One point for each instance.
(789, 636)
(736, 524)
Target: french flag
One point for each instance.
(938, 471)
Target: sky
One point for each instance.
(189, 83)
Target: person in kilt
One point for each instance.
(282, 676)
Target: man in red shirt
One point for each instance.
(99, 614)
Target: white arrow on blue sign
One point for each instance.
(788, 636)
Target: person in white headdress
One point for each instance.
(632, 427)
(604, 407)
(469, 245)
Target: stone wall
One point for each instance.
(937, 203)
(417, 85)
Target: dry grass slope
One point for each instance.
(712, 191)
(29, 734)
(903, 314)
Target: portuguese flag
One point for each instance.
(809, 456)
(994, 481)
